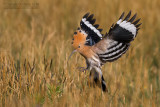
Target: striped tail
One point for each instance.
(103, 83)
(119, 37)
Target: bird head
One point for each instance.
(79, 40)
(87, 35)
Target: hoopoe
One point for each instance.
(97, 48)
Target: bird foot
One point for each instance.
(82, 69)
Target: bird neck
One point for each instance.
(86, 51)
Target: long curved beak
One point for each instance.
(72, 54)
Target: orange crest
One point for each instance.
(79, 38)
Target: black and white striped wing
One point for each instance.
(114, 51)
(93, 33)
(119, 38)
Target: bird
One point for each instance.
(98, 48)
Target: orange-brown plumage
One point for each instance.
(98, 49)
(78, 39)
(78, 43)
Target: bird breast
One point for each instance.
(91, 57)
(86, 51)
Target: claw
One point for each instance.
(82, 69)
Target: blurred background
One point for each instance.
(35, 42)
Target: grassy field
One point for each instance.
(35, 45)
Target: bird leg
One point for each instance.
(82, 69)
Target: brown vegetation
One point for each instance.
(35, 45)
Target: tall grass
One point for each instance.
(35, 45)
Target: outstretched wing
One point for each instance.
(117, 41)
(93, 33)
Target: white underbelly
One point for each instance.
(93, 61)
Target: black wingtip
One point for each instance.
(90, 17)
(93, 21)
(86, 15)
(100, 30)
(136, 21)
(96, 26)
(128, 16)
(138, 29)
(138, 25)
(133, 18)
(121, 17)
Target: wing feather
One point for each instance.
(93, 33)
(117, 41)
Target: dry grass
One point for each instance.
(35, 45)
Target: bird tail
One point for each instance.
(98, 80)
(125, 30)
(103, 83)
